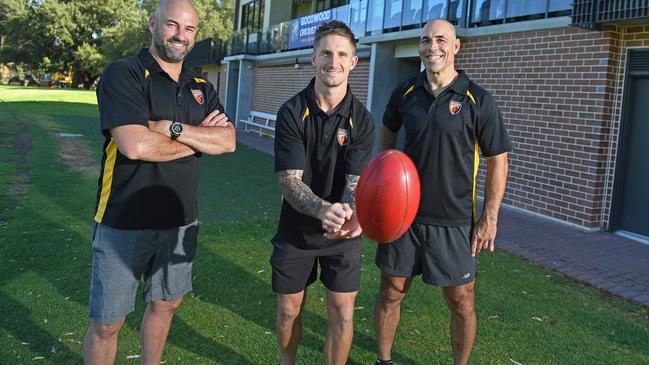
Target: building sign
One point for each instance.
(303, 29)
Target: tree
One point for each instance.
(52, 35)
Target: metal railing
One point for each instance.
(591, 13)
(371, 17)
(205, 52)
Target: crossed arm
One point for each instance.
(338, 219)
(213, 136)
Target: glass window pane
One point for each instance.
(412, 12)
(486, 10)
(358, 14)
(480, 11)
(434, 9)
(392, 13)
(455, 12)
(253, 15)
(244, 17)
(260, 20)
(522, 8)
(342, 13)
(375, 16)
(557, 5)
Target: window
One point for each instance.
(392, 14)
(412, 12)
(252, 16)
(375, 16)
(434, 9)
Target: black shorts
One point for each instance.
(295, 269)
(442, 255)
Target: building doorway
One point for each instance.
(630, 211)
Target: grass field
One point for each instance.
(527, 314)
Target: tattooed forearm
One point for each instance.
(350, 188)
(298, 194)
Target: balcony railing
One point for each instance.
(371, 17)
(591, 13)
(206, 52)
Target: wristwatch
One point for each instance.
(175, 129)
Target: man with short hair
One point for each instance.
(323, 141)
(448, 120)
(158, 118)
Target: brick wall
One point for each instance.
(273, 85)
(560, 94)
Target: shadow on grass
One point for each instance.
(15, 319)
(252, 298)
(53, 228)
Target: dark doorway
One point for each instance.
(631, 193)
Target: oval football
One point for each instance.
(387, 196)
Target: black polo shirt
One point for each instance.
(326, 147)
(135, 194)
(444, 135)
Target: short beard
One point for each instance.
(166, 53)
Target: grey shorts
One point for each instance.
(161, 257)
(442, 255)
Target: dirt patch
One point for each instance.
(74, 152)
(22, 146)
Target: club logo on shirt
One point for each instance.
(198, 96)
(343, 137)
(454, 107)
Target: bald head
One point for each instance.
(442, 25)
(165, 6)
(173, 25)
(438, 46)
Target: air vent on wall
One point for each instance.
(639, 60)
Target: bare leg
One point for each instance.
(340, 330)
(100, 343)
(289, 325)
(155, 328)
(387, 311)
(464, 323)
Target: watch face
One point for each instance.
(176, 128)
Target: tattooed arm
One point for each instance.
(351, 228)
(351, 181)
(302, 199)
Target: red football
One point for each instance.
(387, 196)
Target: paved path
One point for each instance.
(607, 261)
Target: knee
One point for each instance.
(106, 331)
(342, 313)
(165, 306)
(462, 306)
(288, 311)
(390, 296)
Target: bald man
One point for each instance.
(449, 120)
(158, 118)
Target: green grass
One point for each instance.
(45, 264)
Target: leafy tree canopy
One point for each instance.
(52, 35)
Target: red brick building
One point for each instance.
(571, 79)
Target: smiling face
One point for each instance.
(333, 58)
(438, 46)
(174, 26)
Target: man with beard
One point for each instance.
(158, 119)
(448, 120)
(324, 139)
